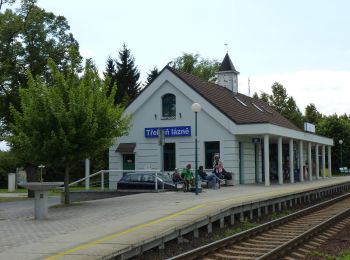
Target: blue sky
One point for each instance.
(287, 41)
(305, 45)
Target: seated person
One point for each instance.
(187, 176)
(202, 174)
(210, 178)
(177, 176)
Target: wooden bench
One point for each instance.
(344, 170)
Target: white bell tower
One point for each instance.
(227, 76)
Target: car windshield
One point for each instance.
(165, 177)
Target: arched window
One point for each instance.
(169, 106)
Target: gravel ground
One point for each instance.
(329, 251)
(334, 247)
(173, 248)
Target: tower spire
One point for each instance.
(227, 75)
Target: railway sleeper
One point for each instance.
(264, 241)
(310, 246)
(223, 256)
(238, 252)
(251, 245)
(264, 249)
(286, 231)
(283, 236)
(274, 238)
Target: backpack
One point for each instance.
(227, 175)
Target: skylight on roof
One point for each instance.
(268, 111)
(258, 108)
(240, 101)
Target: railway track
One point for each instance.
(290, 237)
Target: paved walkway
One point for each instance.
(92, 229)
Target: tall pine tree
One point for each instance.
(111, 73)
(152, 75)
(127, 77)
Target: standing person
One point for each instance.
(187, 176)
(218, 166)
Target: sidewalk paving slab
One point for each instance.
(96, 228)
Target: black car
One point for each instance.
(145, 181)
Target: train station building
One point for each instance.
(254, 142)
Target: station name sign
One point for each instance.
(173, 131)
(309, 127)
(256, 140)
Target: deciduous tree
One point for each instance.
(197, 66)
(28, 37)
(285, 105)
(312, 115)
(8, 163)
(338, 128)
(66, 120)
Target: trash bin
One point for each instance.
(11, 182)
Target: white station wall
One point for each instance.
(147, 151)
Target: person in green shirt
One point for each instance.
(187, 175)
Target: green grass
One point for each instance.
(16, 191)
(322, 255)
(276, 215)
(245, 225)
(51, 192)
(55, 191)
(11, 199)
(80, 188)
(345, 255)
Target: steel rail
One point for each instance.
(228, 241)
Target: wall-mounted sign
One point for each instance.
(172, 131)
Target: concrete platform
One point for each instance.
(127, 225)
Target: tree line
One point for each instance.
(332, 126)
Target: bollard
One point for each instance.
(11, 182)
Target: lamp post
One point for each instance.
(41, 172)
(196, 107)
(341, 152)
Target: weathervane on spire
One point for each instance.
(249, 86)
(226, 47)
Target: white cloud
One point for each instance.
(3, 146)
(328, 90)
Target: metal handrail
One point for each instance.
(102, 172)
